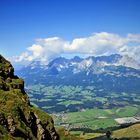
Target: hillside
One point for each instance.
(18, 119)
(129, 133)
(132, 132)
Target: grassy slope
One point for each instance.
(130, 132)
(16, 114)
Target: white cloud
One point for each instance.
(134, 37)
(97, 44)
(36, 50)
(24, 56)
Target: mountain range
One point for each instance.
(109, 73)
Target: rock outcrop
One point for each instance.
(18, 119)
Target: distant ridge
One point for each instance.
(114, 72)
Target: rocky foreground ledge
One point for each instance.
(18, 119)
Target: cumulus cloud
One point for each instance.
(97, 44)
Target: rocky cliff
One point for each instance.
(18, 119)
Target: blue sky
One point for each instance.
(24, 21)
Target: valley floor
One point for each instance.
(86, 111)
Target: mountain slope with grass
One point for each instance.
(128, 133)
(18, 119)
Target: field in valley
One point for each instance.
(84, 109)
